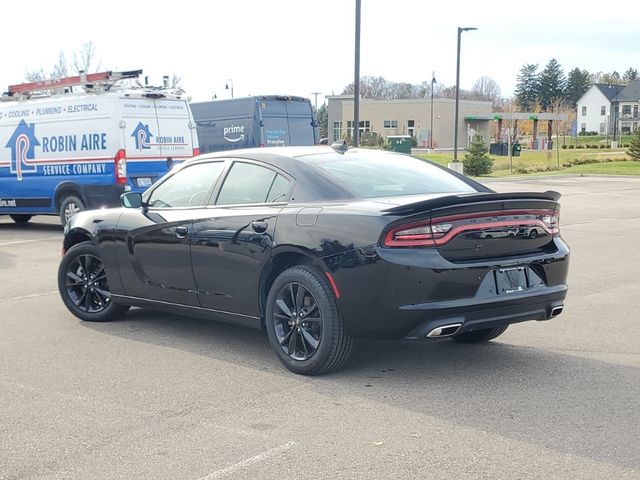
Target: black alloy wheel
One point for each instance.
(82, 282)
(303, 324)
(297, 321)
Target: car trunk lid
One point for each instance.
(477, 226)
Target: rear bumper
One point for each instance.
(402, 293)
(476, 314)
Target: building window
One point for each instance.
(635, 111)
(603, 110)
(411, 127)
(635, 126)
(584, 111)
(626, 110)
(625, 128)
(391, 124)
(583, 127)
(337, 131)
(602, 128)
(365, 127)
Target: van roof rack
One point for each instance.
(88, 80)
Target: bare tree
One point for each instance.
(84, 60)
(486, 89)
(60, 69)
(35, 75)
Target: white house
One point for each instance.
(594, 108)
(629, 104)
(610, 109)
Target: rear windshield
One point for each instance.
(379, 174)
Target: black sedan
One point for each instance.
(319, 245)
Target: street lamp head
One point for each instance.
(466, 29)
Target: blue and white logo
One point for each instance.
(22, 144)
(142, 136)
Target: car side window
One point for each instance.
(187, 188)
(280, 189)
(250, 183)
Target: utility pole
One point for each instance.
(433, 81)
(315, 94)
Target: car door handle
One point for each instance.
(259, 227)
(181, 232)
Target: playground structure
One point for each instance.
(511, 119)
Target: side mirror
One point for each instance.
(131, 199)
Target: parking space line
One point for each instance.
(22, 297)
(248, 461)
(18, 242)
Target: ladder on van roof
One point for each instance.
(86, 79)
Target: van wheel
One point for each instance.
(69, 207)
(21, 218)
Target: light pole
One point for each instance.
(356, 80)
(227, 87)
(455, 126)
(433, 81)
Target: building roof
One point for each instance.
(630, 93)
(610, 91)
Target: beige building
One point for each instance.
(410, 117)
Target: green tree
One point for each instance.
(528, 87)
(634, 146)
(477, 160)
(578, 82)
(630, 75)
(322, 117)
(552, 84)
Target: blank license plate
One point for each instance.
(143, 181)
(511, 280)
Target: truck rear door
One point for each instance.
(157, 132)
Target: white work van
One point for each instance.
(63, 153)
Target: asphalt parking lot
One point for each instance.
(155, 396)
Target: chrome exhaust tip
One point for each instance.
(444, 331)
(555, 311)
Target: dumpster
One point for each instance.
(400, 143)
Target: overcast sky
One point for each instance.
(300, 47)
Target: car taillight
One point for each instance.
(441, 230)
(552, 222)
(418, 234)
(196, 152)
(121, 167)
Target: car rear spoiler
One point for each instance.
(476, 197)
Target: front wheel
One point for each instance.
(303, 323)
(82, 283)
(480, 336)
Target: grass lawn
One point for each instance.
(546, 162)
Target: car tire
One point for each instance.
(303, 323)
(21, 218)
(82, 283)
(69, 206)
(480, 336)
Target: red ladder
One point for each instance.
(81, 79)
